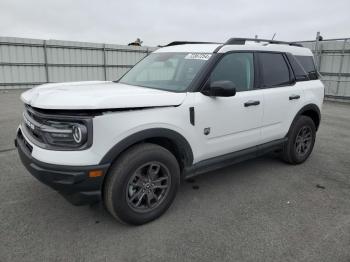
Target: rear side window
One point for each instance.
(299, 72)
(274, 70)
(309, 66)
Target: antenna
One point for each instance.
(273, 36)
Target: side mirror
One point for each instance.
(222, 88)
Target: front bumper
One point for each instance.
(73, 182)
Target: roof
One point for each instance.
(249, 46)
(188, 48)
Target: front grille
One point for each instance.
(31, 112)
(32, 123)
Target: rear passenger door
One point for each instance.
(282, 95)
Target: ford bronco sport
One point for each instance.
(187, 108)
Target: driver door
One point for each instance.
(229, 124)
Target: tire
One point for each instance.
(141, 184)
(301, 140)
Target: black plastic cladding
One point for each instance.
(178, 139)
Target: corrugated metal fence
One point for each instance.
(25, 63)
(332, 58)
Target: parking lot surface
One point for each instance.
(259, 210)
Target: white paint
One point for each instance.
(232, 126)
(98, 95)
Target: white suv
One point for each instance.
(187, 108)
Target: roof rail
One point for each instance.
(188, 42)
(241, 41)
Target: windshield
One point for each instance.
(166, 71)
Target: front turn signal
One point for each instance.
(95, 173)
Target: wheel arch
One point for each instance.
(310, 110)
(170, 139)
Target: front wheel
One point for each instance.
(142, 184)
(301, 140)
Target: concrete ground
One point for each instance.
(260, 210)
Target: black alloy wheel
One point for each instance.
(148, 186)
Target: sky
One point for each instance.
(159, 22)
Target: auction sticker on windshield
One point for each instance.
(198, 56)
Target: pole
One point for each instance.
(104, 62)
(45, 63)
(317, 54)
(341, 65)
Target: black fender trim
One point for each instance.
(308, 107)
(180, 142)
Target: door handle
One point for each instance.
(251, 103)
(293, 97)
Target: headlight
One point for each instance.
(77, 133)
(65, 134)
(58, 131)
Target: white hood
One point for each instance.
(98, 95)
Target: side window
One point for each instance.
(274, 70)
(309, 66)
(236, 67)
(299, 72)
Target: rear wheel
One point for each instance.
(301, 140)
(142, 184)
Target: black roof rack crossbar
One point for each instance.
(188, 42)
(241, 41)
